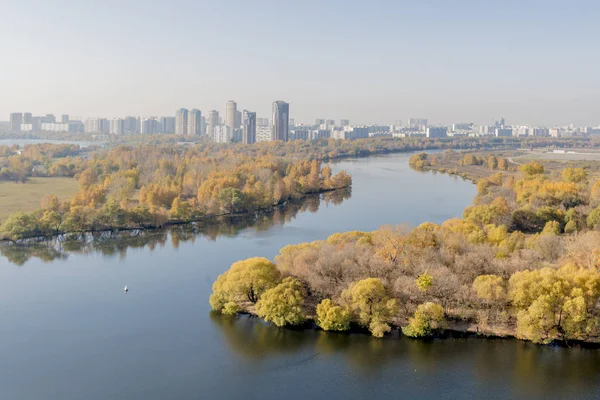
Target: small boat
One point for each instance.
(126, 290)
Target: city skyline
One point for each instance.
(455, 61)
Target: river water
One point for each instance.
(68, 331)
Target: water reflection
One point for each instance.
(111, 244)
(532, 370)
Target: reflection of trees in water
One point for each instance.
(111, 244)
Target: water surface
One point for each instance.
(69, 332)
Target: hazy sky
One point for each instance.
(369, 61)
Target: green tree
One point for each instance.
(283, 304)
(428, 319)
(231, 200)
(245, 281)
(424, 282)
(370, 305)
(333, 317)
(19, 226)
(593, 219)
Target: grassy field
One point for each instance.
(16, 197)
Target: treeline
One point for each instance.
(424, 161)
(524, 261)
(17, 164)
(149, 186)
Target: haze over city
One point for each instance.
(371, 62)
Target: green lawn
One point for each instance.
(16, 197)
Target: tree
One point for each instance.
(424, 282)
(428, 319)
(593, 219)
(370, 305)
(283, 304)
(245, 281)
(19, 226)
(333, 317)
(490, 288)
(533, 168)
(575, 175)
(231, 200)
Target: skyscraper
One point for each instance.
(181, 121)
(230, 112)
(213, 122)
(195, 122)
(16, 119)
(249, 130)
(27, 118)
(344, 122)
(281, 120)
(64, 118)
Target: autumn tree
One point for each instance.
(333, 317)
(283, 304)
(371, 305)
(427, 320)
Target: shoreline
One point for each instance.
(206, 218)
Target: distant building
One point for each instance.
(264, 133)
(463, 126)
(69, 127)
(167, 124)
(249, 127)
(221, 134)
(300, 133)
(319, 122)
(64, 118)
(292, 122)
(417, 123)
(230, 115)
(131, 126)
(262, 122)
(319, 134)
(503, 132)
(27, 118)
(117, 126)
(539, 132)
(330, 123)
(96, 125)
(344, 122)
(181, 121)
(16, 119)
(194, 123)
(212, 123)
(354, 132)
(437, 132)
(281, 120)
(149, 126)
(49, 118)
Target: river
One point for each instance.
(68, 330)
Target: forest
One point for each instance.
(523, 261)
(149, 186)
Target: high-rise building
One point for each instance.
(181, 121)
(330, 123)
(64, 118)
(149, 126)
(230, 112)
(195, 122)
(249, 127)
(417, 123)
(16, 119)
(319, 122)
(262, 122)
(437, 132)
(116, 126)
(49, 118)
(344, 122)
(131, 126)
(221, 134)
(96, 125)
(167, 124)
(27, 118)
(292, 122)
(213, 122)
(264, 133)
(238, 119)
(281, 120)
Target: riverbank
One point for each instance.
(205, 219)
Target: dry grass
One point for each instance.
(15, 197)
